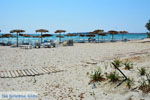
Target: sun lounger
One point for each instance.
(26, 46)
(68, 43)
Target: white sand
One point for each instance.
(76, 61)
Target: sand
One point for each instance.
(77, 63)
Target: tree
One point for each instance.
(148, 28)
(148, 25)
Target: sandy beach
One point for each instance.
(76, 63)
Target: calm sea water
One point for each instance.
(129, 36)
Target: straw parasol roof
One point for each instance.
(123, 32)
(70, 34)
(82, 35)
(90, 35)
(6, 36)
(36, 36)
(17, 31)
(42, 30)
(25, 35)
(97, 31)
(113, 32)
(60, 36)
(60, 31)
(47, 35)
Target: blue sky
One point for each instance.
(74, 15)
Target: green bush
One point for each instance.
(148, 78)
(117, 62)
(128, 65)
(113, 76)
(142, 71)
(97, 76)
(129, 83)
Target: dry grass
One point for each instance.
(145, 88)
(145, 84)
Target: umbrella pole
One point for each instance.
(60, 38)
(17, 39)
(98, 39)
(41, 37)
(122, 36)
(112, 37)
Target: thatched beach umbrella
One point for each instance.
(123, 32)
(99, 32)
(112, 32)
(25, 35)
(82, 35)
(47, 35)
(102, 35)
(18, 31)
(60, 36)
(70, 35)
(90, 35)
(41, 31)
(6, 36)
(60, 31)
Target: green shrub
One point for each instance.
(97, 76)
(129, 83)
(113, 76)
(142, 71)
(117, 62)
(128, 65)
(148, 78)
(148, 35)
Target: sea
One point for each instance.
(108, 37)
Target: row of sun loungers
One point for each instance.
(48, 44)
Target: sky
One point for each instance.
(74, 15)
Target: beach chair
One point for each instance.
(68, 43)
(9, 43)
(37, 45)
